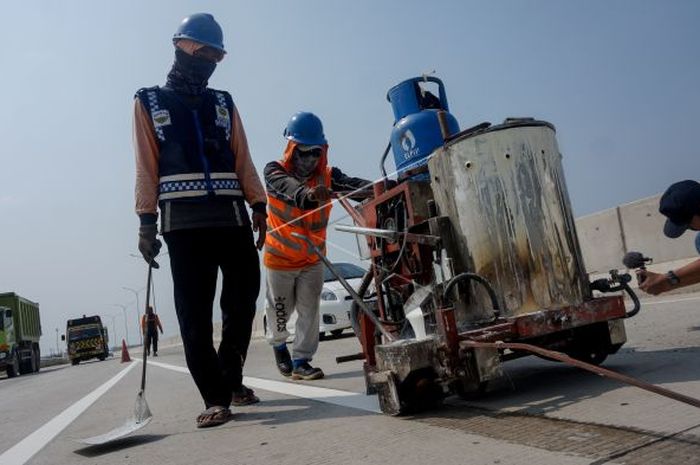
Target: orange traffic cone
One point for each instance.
(125, 352)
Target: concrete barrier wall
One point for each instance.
(643, 230)
(606, 236)
(601, 241)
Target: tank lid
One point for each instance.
(508, 123)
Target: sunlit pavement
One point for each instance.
(542, 412)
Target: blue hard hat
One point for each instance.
(305, 128)
(202, 28)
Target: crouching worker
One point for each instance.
(298, 193)
(680, 204)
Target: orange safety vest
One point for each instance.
(282, 250)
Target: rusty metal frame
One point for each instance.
(546, 322)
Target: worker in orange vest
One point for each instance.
(298, 194)
(150, 324)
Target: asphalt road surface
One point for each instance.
(541, 413)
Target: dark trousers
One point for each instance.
(196, 256)
(152, 340)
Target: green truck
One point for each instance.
(87, 338)
(20, 330)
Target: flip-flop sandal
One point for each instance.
(214, 416)
(245, 396)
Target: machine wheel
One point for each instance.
(592, 356)
(37, 355)
(419, 392)
(101, 358)
(471, 394)
(27, 366)
(75, 361)
(592, 344)
(337, 332)
(32, 364)
(13, 368)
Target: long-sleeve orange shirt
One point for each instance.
(144, 323)
(147, 154)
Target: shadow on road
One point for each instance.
(604, 443)
(545, 387)
(284, 411)
(345, 374)
(42, 371)
(120, 444)
(330, 337)
(517, 408)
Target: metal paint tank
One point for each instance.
(504, 191)
(422, 122)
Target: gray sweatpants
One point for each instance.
(298, 290)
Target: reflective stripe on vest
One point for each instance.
(274, 251)
(154, 109)
(292, 244)
(285, 215)
(320, 225)
(195, 185)
(223, 119)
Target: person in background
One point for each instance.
(194, 166)
(150, 324)
(680, 204)
(299, 188)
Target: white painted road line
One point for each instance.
(304, 391)
(24, 450)
(672, 301)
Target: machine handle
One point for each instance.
(441, 89)
(360, 301)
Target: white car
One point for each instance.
(334, 310)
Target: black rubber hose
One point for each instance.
(603, 285)
(479, 279)
(634, 298)
(403, 241)
(354, 307)
(383, 168)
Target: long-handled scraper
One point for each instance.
(142, 414)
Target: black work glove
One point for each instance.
(319, 193)
(149, 245)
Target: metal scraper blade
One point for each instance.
(142, 416)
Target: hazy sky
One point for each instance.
(619, 80)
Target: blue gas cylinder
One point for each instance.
(417, 130)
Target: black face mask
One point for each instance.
(190, 74)
(304, 163)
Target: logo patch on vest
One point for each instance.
(222, 116)
(161, 118)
